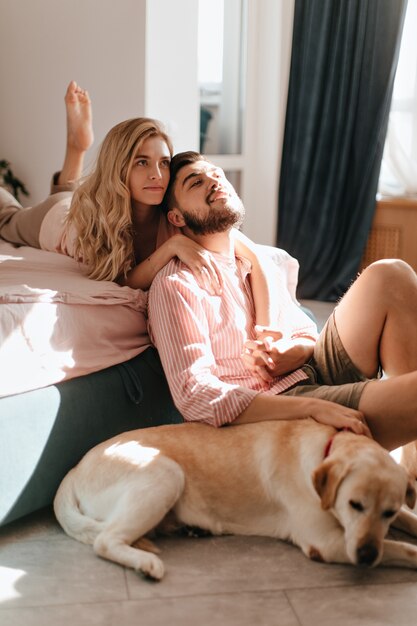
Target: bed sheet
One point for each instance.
(57, 324)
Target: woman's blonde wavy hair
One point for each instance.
(100, 211)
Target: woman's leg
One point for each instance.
(79, 133)
(20, 225)
(8, 206)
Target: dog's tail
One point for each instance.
(70, 516)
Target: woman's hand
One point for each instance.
(272, 355)
(200, 262)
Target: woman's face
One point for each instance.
(149, 175)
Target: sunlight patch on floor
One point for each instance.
(8, 579)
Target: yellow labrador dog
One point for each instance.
(333, 494)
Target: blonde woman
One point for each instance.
(111, 221)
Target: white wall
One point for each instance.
(136, 57)
(171, 92)
(46, 43)
(269, 57)
(268, 63)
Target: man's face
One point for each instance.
(205, 198)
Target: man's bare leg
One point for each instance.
(79, 132)
(390, 409)
(377, 319)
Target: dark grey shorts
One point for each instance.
(331, 373)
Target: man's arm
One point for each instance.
(264, 407)
(180, 331)
(179, 328)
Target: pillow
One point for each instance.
(287, 264)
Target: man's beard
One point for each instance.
(217, 221)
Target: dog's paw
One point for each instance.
(151, 567)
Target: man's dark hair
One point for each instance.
(178, 161)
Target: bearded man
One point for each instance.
(221, 372)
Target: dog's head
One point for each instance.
(364, 488)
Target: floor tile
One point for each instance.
(262, 609)
(235, 564)
(47, 578)
(33, 573)
(379, 605)
(37, 526)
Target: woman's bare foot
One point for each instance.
(79, 133)
(79, 118)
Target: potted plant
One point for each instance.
(9, 181)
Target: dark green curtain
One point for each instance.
(344, 58)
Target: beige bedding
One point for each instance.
(57, 324)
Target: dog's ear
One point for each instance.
(410, 494)
(326, 480)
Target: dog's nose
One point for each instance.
(367, 554)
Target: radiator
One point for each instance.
(384, 242)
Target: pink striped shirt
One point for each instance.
(200, 340)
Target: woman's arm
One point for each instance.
(287, 341)
(199, 260)
(180, 327)
(263, 279)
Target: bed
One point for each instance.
(76, 367)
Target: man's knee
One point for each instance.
(390, 274)
(391, 284)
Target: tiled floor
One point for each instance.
(48, 579)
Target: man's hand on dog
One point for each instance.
(338, 416)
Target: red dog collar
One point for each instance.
(328, 446)
(330, 442)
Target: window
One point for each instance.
(222, 37)
(399, 165)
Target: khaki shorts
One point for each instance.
(331, 373)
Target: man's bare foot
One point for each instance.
(79, 118)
